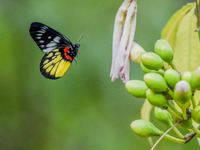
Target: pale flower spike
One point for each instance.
(123, 35)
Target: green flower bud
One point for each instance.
(186, 124)
(186, 76)
(196, 114)
(183, 92)
(145, 128)
(145, 70)
(160, 71)
(172, 77)
(156, 99)
(137, 88)
(195, 79)
(155, 82)
(163, 116)
(164, 50)
(152, 61)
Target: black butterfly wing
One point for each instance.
(47, 38)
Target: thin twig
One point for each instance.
(163, 135)
(190, 136)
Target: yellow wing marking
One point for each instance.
(49, 55)
(49, 68)
(57, 59)
(54, 69)
(56, 50)
(57, 53)
(67, 64)
(46, 61)
(62, 68)
(47, 65)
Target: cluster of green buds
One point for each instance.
(171, 92)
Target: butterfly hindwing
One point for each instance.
(53, 65)
(47, 38)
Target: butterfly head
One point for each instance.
(76, 47)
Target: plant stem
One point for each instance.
(171, 93)
(184, 110)
(174, 114)
(173, 111)
(196, 130)
(198, 15)
(193, 101)
(173, 65)
(190, 136)
(168, 137)
(178, 133)
(177, 140)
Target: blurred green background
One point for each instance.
(83, 110)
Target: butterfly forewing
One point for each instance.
(47, 38)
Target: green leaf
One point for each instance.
(180, 32)
(145, 114)
(169, 31)
(187, 48)
(146, 110)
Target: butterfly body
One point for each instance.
(59, 50)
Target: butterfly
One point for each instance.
(59, 50)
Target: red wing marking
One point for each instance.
(68, 57)
(66, 50)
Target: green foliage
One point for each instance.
(181, 35)
(79, 110)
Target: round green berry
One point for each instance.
(172, 77)
(195, 79)
(182, 92)
(137, 88)
(163, 116)
(164, 50)
(196, 114)
(155, 82)
(145, 128)
(152, 61)
(156, 99)
(186, 76)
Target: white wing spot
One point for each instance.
(45, 27)
(47, 50)
(41, 41)
(49, 37)
(41, 31)
(51, 44)
(54, 57)
(57, 39)
(42, 46)
(39, 34)
(38, 37)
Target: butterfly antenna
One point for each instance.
(75, 61)
(80, 39)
